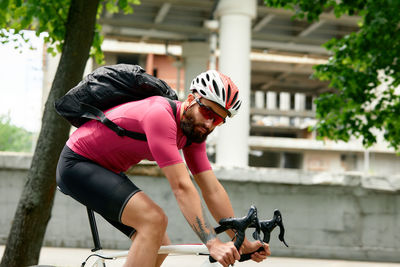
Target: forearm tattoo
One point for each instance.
(204, 229)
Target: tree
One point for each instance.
(364, 71)
(71, 26)
(14, 138)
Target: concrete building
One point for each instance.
(269, 56)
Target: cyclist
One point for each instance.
(91, 166)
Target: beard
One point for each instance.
(188, 127)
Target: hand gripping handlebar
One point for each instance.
(239, 226)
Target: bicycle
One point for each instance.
(238, 225)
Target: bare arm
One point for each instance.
(215, 196)
(220, 206)
(189, 201)
(190, 204)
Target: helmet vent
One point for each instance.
(216, 89)
(234, 98)
(202, 92)
(223, 95)
(208, 77)
(203, 82)
(229, 92)
(197, 80)
(237, 105)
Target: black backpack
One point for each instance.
(107, 87)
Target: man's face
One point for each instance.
(200, 119)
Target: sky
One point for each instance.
(21, 79)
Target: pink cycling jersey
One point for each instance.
(152, 116)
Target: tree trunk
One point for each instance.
(34, 208)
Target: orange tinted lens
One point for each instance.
(209, 114)
(218, 120)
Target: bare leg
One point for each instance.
(150, 223)
(161, 257)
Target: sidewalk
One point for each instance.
(71, 257)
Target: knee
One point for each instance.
(154, 224)
(144, 215)
(157, 219)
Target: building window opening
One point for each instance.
(275, 159)
(292, 101)
(309, 102)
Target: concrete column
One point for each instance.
(314, 106)
(150, 64)
(213, 26)
(235, 44)
(271, 100)
(284, 105)
(195, 55)
(299, 105)
(180, 91)
(300, 102)
(285, 101)
(213, 48)
(259, 99)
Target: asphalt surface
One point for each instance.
(71, 257)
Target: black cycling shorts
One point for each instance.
(96, 187)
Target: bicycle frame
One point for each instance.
(238, 225)
(181, 249)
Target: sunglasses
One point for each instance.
(210, 114)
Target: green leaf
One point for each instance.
(13, 138)
(4, 4)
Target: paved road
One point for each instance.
(71, 257)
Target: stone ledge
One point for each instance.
(22, 161)
(15, 160)
(279, 176)
(301, 144)
(145, 168)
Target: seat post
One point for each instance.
(93, 228)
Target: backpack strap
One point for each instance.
(173, 106)
(94, 113)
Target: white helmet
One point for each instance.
(218, 88)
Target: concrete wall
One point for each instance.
(326, 215)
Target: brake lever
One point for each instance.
(266, 227)
(269, 225)
(281, 235)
